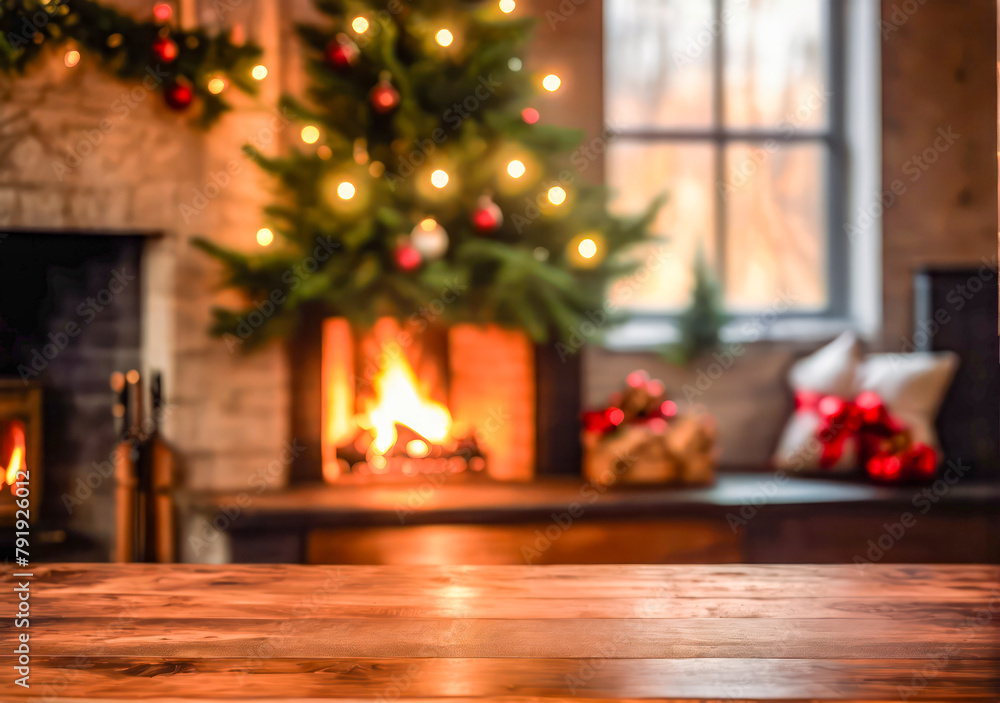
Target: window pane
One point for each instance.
(658, 68)
(775, 63)
(638, 172)
(775, 217)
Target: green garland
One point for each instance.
(129, 48)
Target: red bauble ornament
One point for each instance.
(178, 95)
(487, 217)
(885, 467)
(407, 257)
(165, 49)
(342, 53)
(384, 98)
(922, 460)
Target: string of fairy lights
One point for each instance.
(585, 247)
(385, 98)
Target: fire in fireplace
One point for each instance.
(20, 445)
(12, 446)
(381, 417)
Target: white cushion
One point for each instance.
(912, 387)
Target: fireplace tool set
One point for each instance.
(144, 469)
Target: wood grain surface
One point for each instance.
(524, 633)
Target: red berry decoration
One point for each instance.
(384, 97)
(342, 53)
(407, 257)
(178, 96)
(487, 217)
(165, 49)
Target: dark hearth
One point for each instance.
(70, 311)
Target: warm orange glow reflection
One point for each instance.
(16, 462)
(398, 401)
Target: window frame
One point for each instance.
(833, 137)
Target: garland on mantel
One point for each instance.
(191, 68)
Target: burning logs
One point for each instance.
(409, 454)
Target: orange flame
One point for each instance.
(17, 455)
(398, 401)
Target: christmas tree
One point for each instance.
(425, 173)
(702, 321)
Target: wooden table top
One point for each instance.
(525, 633)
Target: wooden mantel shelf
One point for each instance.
(527, 633)
(431, 502)
(751, 518)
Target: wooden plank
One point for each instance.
(623, 633)
(847, 638)
(413, 680)
(265, 606)
(890, 582)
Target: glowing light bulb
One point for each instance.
(310, 134)
(428, 224)
(417, 448)
(514, 63)
(162, 11)
(444, 37)
(72, 58)
(216, 86)
(557, 196)
(551, 82)
(587, 248)
(507, 6)
(324, 152)
(530, 115)
(439, 179)
(515, 168)
(259, 72)
(346, 190)
(360, 25)
(264, 236)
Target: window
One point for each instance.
(733, 109)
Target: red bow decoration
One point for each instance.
(884, 445)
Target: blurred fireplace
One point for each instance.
(481, 395)
(70, 315)
(20, 447)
